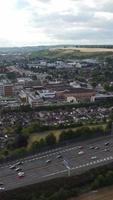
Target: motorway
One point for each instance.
(79, 157)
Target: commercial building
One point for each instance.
(102, 97)
(8, 90)
(77, 95)
(1, 89)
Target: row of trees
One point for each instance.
(103, 180)
(54, 107)
(82, 133)
(18, 147)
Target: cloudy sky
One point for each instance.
(44, 22)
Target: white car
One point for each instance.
(107, 143)
(96, 148)
(80, 147)
(59, 156)
(81, 152)
(48, 161)
(21, 174)
(107, 149)
(19, 163)
(12, 167)
(2, 188)
(18, 169)
(93, 157)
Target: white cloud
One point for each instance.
(35, 22)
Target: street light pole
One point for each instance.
(69, 172)
(112, 129)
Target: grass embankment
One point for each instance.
(42, 135)
(102, 194)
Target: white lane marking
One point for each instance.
(52, 174)
(91, 163)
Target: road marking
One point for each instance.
(52, 174)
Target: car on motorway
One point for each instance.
(107, 149)
(106, 143)
(93, 157)
(80, 147)
(21, 174)
(12, 166)
(1, 183)
(48, 161)
(59, 156)
(18, 169)
(91, 147)
(80, 152)
(96, 148)
(19, 163)
(2, 188)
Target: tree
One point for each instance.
(20, 141)
(50, 139)
(101, 180)
(35, 145)
(18, 128)
(109, 178)
(42, 143)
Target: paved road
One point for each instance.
(37, 170)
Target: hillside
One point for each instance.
(71, 53)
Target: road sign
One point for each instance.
(66, 163)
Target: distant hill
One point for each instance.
(29, 49)
(71, 53)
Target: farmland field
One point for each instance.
(82, 49)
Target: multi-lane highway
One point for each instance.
(44, 166)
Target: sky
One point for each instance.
(52, 22)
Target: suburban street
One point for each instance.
(77, 158)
